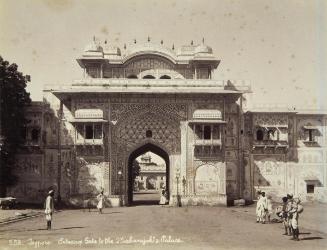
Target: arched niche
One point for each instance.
(207, 180)
(165, 77)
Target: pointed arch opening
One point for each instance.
(155, 177)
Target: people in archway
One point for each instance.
(163, 199)
(49, 208)
(100, 205)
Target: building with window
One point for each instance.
(149, 97)
(152, 176)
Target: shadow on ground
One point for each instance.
(144, 203)
(44, 229)
(312, 238)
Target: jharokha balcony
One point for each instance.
(123, 85)
(89, 142)
(203, 142)
(270, 143)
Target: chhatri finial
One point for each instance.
(161, 42)
(135, 41)
(93, 38)
(105, 41)
(148, 39)
(192, 42)
(124, 45)
(203, 40)
(173, 47)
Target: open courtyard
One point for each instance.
(164, 227)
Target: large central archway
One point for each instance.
(140, 151)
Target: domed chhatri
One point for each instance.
(93, 47)
(202, 48)
(154, 60)
(109, 49)
(170, 51)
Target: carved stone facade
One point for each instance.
(290, 157)
(151, 98)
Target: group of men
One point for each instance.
(288, 212)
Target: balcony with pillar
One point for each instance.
(207, 127)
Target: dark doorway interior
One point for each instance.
(140, 151)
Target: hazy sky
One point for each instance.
(154, 158)
(279, 46)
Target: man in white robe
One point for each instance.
(258, 211)
(263, 207)
(49, 208)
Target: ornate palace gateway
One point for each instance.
(146, 97)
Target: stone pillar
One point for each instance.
(184, 144)
(144, 182)
(106, 177)
(158, 182)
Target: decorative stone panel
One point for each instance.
(270, 119)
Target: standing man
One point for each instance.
(258, 212)
(264, 207)
(49, 208)
(284, 215)
(163, 197)
(289, 215)
(295, 210)
(100, 205)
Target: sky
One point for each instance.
(154, 158)
(278, 46)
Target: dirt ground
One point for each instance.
(164, 227)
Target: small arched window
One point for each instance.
(132, 77)
(148, 133)
(259, 135)
(149, 77)
(165, 77)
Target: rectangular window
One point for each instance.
(310, 189)
(271, 134)
(215, 133)
(93, 72)
(80, 131)
(88, 131)
(311, 137)
(198, 132)
(98, 131)
(207, 133)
